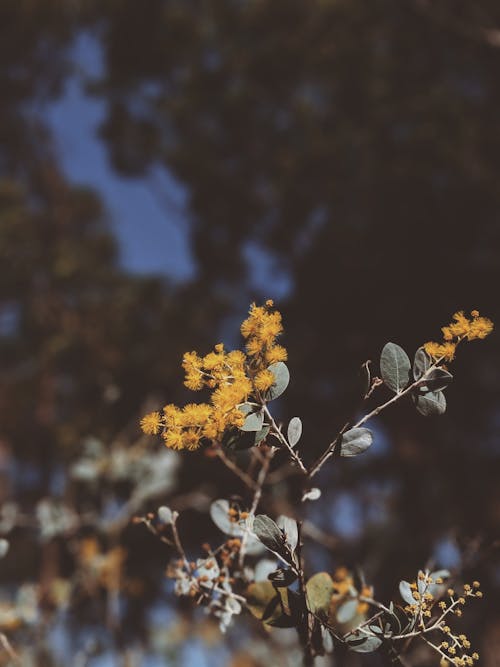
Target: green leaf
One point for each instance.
(253, 421)
(433, 403)
(282, 577)
(260, 595)
(347, 611)
(395, 367)
(262, 434)
(290, 530)
(269, 534)
(437, 379)
(327, 640)
(237, 439)
(271, 606)
(294, 431)
(355, 441)
(219, 512)
(281, 380)
(421, 363)
(406, 592)
(365, 645)
(319, 591)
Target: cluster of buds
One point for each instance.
(429, 595)
(454, 648)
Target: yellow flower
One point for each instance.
(232, 378)
(151, 423)
(264, 380)
(276, 353)
(480, 328)
(444, 351)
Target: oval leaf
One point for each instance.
(437, 379)
(395, 367)
(219, 511)
(406, 592)
(327, 640)
(421, 363)
(282, 578)
(319, 591)
(262, 434)
(289, 527)
(367, 645)
(347, 610)
(269, 534)
(355, 441)
(433, 403)
(259, 595)
(294, 431)
(281, 380)
(237, 440)
(253, 421)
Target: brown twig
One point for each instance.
(245, 478)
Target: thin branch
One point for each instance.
(8, 648)
(331, 447)
(276, 431)
(261, 478)
(245, 478)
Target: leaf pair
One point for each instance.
(395, 369)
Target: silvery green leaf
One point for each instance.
(236, 439)
(355, 441)
(289, 527)
(165, 515)
(312, 494)
(246, 408)
(281, 380)
(327, 640)
(253, 421)
(406, 592)
(219, 512)
(262, 434)
(421, 363)
(433, 403)
(437, 379)
(294, 431)
(395, 367)
(376, 629)
(264, 568)
(347, 610)
(269, 534)
(4, 547)
(365, 645)
(282, 577)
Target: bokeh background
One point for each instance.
(162, 164)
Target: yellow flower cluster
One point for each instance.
(232, 377)
(260, 330)
(460, 328)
